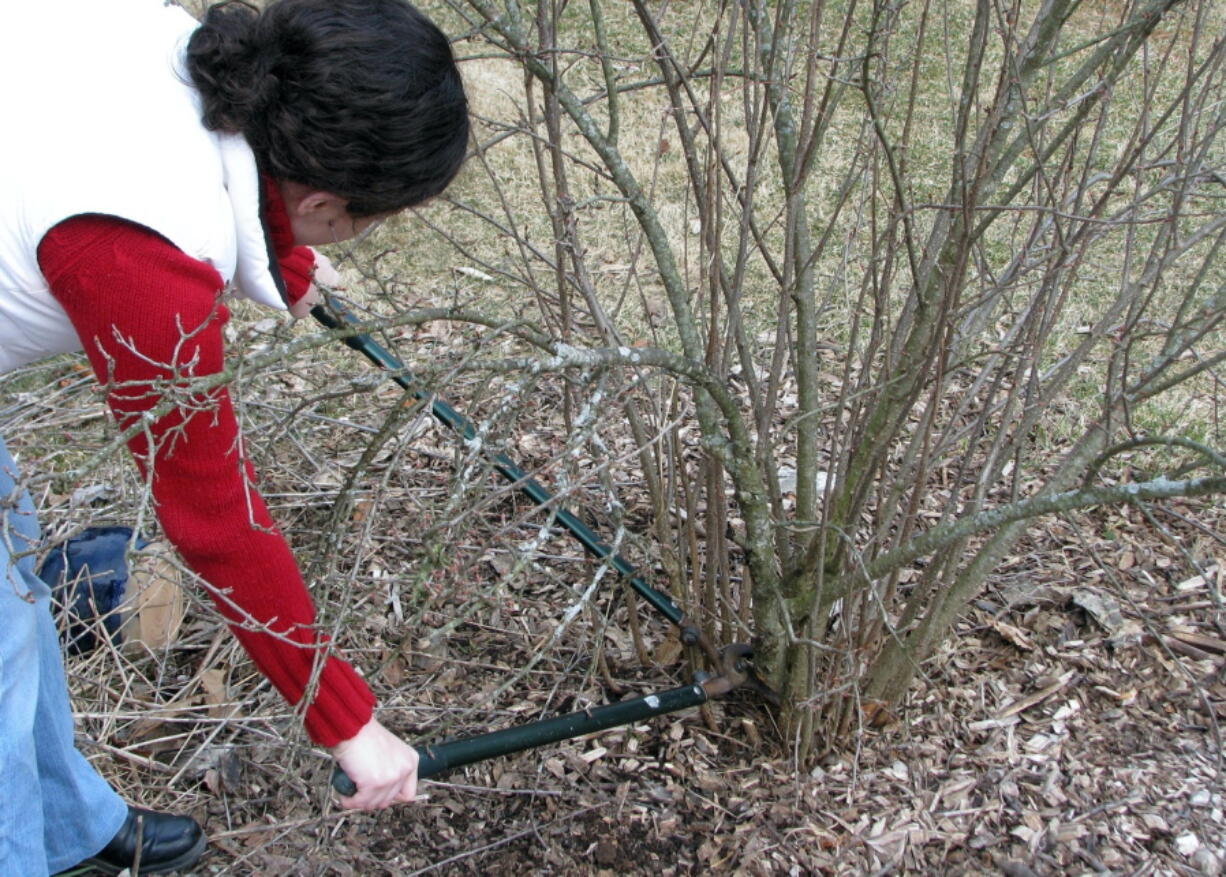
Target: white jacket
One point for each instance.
(100, 119)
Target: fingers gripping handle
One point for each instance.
(427, 766)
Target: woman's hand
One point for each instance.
(383, 767)
(323, 277)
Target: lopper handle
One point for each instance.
(344, 786)
(436, 758)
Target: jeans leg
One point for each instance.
(55, 810)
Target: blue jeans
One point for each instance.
(54, 808)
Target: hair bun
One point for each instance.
(226, 65)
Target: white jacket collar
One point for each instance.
(256, 272)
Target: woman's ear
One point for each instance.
(308, 203)
(316, 215)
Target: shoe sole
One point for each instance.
(184, 860)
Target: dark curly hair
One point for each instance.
(361, 98)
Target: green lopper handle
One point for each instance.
(436, 758)
(344, 786)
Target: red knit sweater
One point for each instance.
(148, 315)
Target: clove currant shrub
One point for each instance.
(879, 284)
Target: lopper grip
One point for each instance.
(344, 786)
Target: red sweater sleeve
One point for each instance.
(297, 263)
(147, 316)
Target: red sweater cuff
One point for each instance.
(341, 703)
(298, 270)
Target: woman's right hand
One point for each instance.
(381, 765)
(324, 277)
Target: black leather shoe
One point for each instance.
(165, 843)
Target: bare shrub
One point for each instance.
(884, 283)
